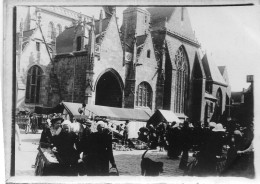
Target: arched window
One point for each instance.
(182, 74)
(59, 29)
(148, 53)
(51, 31)
(144, 95)
(78, 43)
(219, 100)
(33, 84)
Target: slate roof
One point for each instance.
(26, 36)
(211, 71)
(64, 42)
(105, 23)
(159, 15)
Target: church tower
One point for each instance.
(135, 21)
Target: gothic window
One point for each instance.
(148, 53)
(78, 43)
(182, 74)
(59, 29)
(219, 99)
(144, 95)
(33, 84)
(218, 104)
(51, 31)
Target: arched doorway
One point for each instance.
(109, 90)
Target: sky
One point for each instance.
(230, 34)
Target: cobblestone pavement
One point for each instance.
(128, 162)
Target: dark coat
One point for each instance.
(100, 153)
(64, 142)
(46, 137)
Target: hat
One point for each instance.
(212, 124)
(101, 124)
(218, 128)
(88, 123)
(237, 132)
(56, 118)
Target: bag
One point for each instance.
(113, 171)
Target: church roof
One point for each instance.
(221, 69)
(105, 22)
(64, 42)
(159, 16)
(211, 71)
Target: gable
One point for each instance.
(211, 70)
(111, 42)
(180, 22)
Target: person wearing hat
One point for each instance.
(46, 136)
(100, 152)
(84, 148)
(211, 150)
(126, 132)
(186, 143)
(64, 148)
(34, 123)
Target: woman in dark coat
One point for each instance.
(100, 152)
(210, 150)
(64, 148)
(186, 144)
(174, 140)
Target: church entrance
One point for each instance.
(109, 90)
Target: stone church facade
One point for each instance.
(35, 47)
(152, 62)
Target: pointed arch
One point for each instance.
(33, 84)
(144, 95)
(51, 31)
(109, 89)
(182, 80)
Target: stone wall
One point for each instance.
(147, 70)
(71, 76)
(111, 55)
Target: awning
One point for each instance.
(163, 115)
(42, 110)
(112, 113)
(210, 97)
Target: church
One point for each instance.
(153, 61)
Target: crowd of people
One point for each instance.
(81, 148)
(218, 149)
(85, 148)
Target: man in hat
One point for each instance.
(34, 123)
(64, 148)
(211, 150)
(100, 152)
